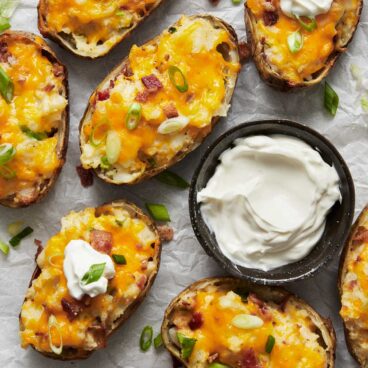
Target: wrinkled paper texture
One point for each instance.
(183, 260)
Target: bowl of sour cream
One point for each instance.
(272, 201)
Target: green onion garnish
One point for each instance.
(157, 341)
(364, 103)
(119, 259)
(186, 344)
(170, 178)
(4, 24)
(158, 211)
(92, 138)
(7, 152)
(7, 7)
(270, 344)
(7, 173)
(331, 99)
(182, 84)
(4, 247)
(105, 164)
(295, 41)
(39, 136)
(6, 86)
(94, 273)
(311, 26)
(134, 116)
(218, 365)
(15, 240)
(236, 2)
(145, 341)
(113, 147)
(172, 30)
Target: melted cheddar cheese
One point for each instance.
(192, 46)
(131, 237)
(318, 44)
(219, 340)
(39, 106)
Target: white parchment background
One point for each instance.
(183, 260)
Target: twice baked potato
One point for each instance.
(230, 323)
(321, 41)
(353, 287)
(34, 118)
(91, 28)
(60, 325)
(161, 102)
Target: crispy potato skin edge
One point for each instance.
(74, 354)
(267, 293)
(63, 133)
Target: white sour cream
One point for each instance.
(305, 8)
(268, 200)
(79, 257)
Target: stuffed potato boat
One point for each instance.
(91, 28)
(353, 288)
(116, 248)
(33, 118)
(160, 102)
(291, 51)
(229, 323)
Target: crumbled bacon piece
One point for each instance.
(39, 248)
(214, 2)
(103, 95)
(249, 359)
(4, 53)
(166, 233)
(58, 70)
(49, 88)
(196, 322)
(144, 265)
(261, 305)
(127, 70)
(101, 241)
(141, 282)
(244, 52)
(152, 83)
(86, 176)
(72, 308)
(212, 357)
(170, 111)
(270, 18)
(142, 96)
(361, 236)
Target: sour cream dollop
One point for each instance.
(268, 200)
(79, 257)
(305, 8)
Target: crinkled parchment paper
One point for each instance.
(183, 260)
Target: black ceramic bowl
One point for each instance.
(338, 221)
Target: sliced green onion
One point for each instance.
(172, 30)
(311, 26)
(7, 152)
(145, 341)
(247, 321)
(173, 125)
(236, 2)
(295, 41)
(119, 259)
(7, 173)
(218, 365)
(7, 7)
(364, 103)
(105, 164)
(134, 116)
(158, 211)
(270, 344)
(4, 247)
(92, 138)
(14, 228)
(53, 323)
(186, 344)
(157, 341)
(170, 178)
(113, 147)
(182, 85)
(39, 136)
(6, 86)
(331, 99)
(94, 273)
(4, 24)
(15, 240)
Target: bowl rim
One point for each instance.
(195, 212)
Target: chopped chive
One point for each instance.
(172, 179)
(145, 341)
(270, 344)
(4, 247)
(158, 212)
(39, 136)
(331, 99)
(119, 259)
(172, 30)
(158, 342)
(15, 240)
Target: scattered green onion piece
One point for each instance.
(237, 2)
(158, 211)
(270, 344)
(120, 223)
(295, 41)
(173, 72)
(7, 173)
(92, 140)
(145, 341)
(113, 147)
(331, 99)
(4, 24)
(6, 86)
(105, 164)
(14, 228)
(173, 125)
(121, 13)
(39, 136)
(4, 247)
(364, 103)
(7, 7)
(119, 259)
(172, 30)
(311, 26)
(218, 365)
(7, 152)
(170, 178)
(53, 323)
(94, 273)
(15, 240)
(134, 116)
(157, 341)
(186, 344)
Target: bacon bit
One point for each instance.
(214, 2)
(127, 70)
(38, 243)
(170, 111)
(49, 88)
(361, 236)
(212, 357)
(142, 281)
(99, 334)
(283, 303)
(72, 308)
(261, 305)
(144, 265)
(196, 322)
(103, 95)
(4, 53)
(139, 246)
(244, 52)
(270, 18)
(166, 233)
(190, 97)
(152, 83)
(86, 176)
(269, 5)
(21, 80)
(58, 70)
(249, 359)
(352, 284)
(101, 241)
(142, 96)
